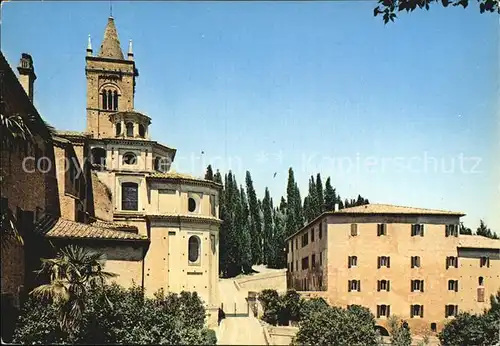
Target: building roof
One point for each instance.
(184, 177)
(113, 225)
(110, 47)
(477, 241)
(52, 227)
(70, 133)
(393, 209)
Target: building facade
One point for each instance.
(394, 260)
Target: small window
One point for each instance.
(130, 129)
(118, 129)
(416, 311)
(291, 266)
(354, 285)
(481, 281)
(213, 206)
(296, 243)
(384, 261)
(383, 311)
(381, 229)
(312, 235)
(313, 261)
(110, 100)
(415, 261)
(451, 310)
(417, 230)
(451, 261)
(484, 262)
(305, 263)
(305, 239)
(453, 285)
(129, 159)
(417, 285)
(383, 285)
(191, 204)
(98, 156)
(104, 99)
(115, 100)
(194, 249)
(142, 131)
(320, 231)
(321, 258)
(352, 261)
(433, 327)
(451, 231)
(130, 193)
(354, 230)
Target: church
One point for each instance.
(157, 228)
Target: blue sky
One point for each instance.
(405, 113)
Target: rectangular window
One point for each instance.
(130, 193)
(383, 285)
(453, 285)
(297, 264)
(354, 285)
(381, 229)
(321, 259)
(384, 261)
(484, 262)
(305, 263)
(291, 266)
(290, 245)
(352, 261)
(313, 260)
(451, 310)
(305, 239)
(451, 230)
(415, 261)
(312, 235)
(417, 285)
(451, 261)
(297, 243)
(354, 230)
(383, 311)
(417, 230)
(320, 235)
(416, 311)
(212, 205)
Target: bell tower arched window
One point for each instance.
(118, 129)
(110, 99)
(142, 131)
(130, 129)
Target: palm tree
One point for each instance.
(73, 272)
(10, 233)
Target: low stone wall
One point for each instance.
(274, 280)
(279, 335)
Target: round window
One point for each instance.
(129, 159)
(191, 204)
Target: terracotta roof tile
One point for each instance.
(393, 209)
(61, 228)
(477, 241)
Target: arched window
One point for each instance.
(161, 164)
(193, 248)
(104, 99)
(191, 204)
(130, 194)
(115, 100)
(130, 129)
(481, 281)
(98, 156)
(129, 159)
(118, 129)
(142, 131)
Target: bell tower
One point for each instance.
(110, 82)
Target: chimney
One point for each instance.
(336, 207)
(27, 74)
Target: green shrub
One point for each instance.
(114, 315)
(399, 331)
(272, 305)
(313, 305)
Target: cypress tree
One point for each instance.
(330, 196)
(307, 209)
(321, 200)
(209, 175)
(299, 213)
(282, 206)
(243, 227)
(268, 226)
(255, 221)
(278, 260)
(313, 202)
(291, 222)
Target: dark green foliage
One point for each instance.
(277, 258)
(272, 305)
(291, 304)
(243, 227)
(255, 221)
(311, 306)
(469, 329)
(268, 227)
(336, 326)
(399, 331)
(484, 231)
(131, 318)
(388, 8)
(209, 175)
(465, 230)
(320, 199)
(330, 196)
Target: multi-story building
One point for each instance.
(394, 260)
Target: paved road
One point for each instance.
(243, 329)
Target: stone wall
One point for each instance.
(257, 282)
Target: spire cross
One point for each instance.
(110, 8)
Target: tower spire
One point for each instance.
(110, 47)
(130, 53)
(89, 47)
